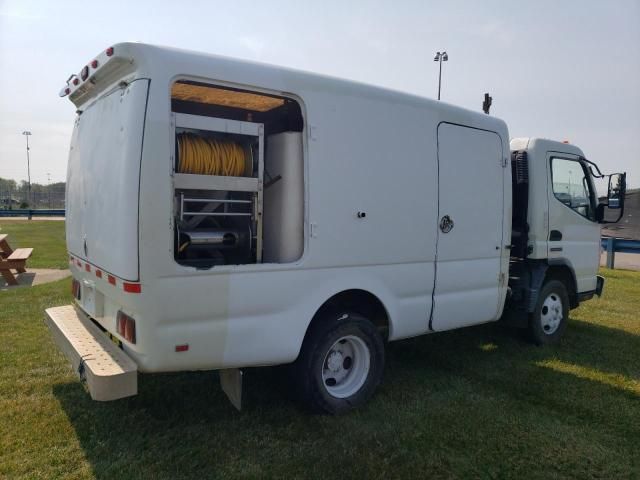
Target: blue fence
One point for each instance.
(613, 245)
(32, 213)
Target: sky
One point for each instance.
(565, 70)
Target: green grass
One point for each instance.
(46, 237)
(474, 403)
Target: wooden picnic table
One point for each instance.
(11, 259)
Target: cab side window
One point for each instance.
(571, 186)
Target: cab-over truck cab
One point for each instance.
(555, 248)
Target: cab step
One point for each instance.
(109, 372)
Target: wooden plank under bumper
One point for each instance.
(108, 371)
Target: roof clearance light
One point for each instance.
(109, 51)
(84, 73)
(94, 64)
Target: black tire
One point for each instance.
(314, 356)
(542, 326)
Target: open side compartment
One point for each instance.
(238, 177)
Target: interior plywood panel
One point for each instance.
(228, 98)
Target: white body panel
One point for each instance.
(365, 150)
(103, 179)
(471, 261)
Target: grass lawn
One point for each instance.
(474, 403)
(46, 237)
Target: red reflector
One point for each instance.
(76, 81)
(87, 267)
(132, 287)
(84, 73)
(126, 327)
(109, 51)
(98, 273)
(182, 348)
(94, 64)
(112, 279)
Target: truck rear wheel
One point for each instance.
(341, 363)
(548, 321)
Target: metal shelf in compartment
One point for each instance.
(189, 181)
(228, 203)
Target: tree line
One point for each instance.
(15, 195)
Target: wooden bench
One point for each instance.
(12, 260)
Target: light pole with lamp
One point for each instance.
(440, 57)
(27, 133)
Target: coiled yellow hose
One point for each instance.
(208, 156)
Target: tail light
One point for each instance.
(126, 327)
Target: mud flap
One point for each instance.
(231, 383)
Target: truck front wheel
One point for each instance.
(341, 363)
(548, 321)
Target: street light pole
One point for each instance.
(440, 57)
(27, 133)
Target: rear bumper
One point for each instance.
(109, 372)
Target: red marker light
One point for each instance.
(76, 81)
(132, 287)
(109, 51)
(87, 267)
(98, 273)
(94, 64)
(112, 279)
(182, 348)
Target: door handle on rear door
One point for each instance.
(446, 224)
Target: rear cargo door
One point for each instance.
(103, 181)
(470, 213)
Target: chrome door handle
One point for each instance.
(446, 224)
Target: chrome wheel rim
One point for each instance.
(551, 313)
(346, 366)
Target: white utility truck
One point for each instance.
(223, 214)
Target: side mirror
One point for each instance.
(616, 191)
(615, 198)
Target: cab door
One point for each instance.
(574, 234)
(469, 268)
